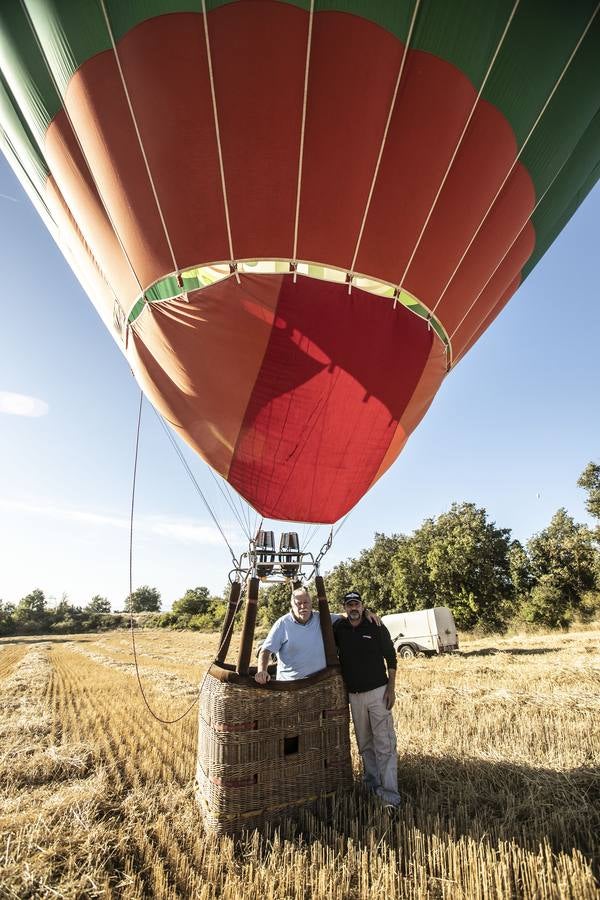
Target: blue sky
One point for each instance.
(511, 430)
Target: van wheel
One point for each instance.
(406, 652)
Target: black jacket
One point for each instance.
(363, 652)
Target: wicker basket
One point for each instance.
(265, 750)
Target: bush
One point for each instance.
(208, 621)
(589, 608)
(162, 620)
(547, 605)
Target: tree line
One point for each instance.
(465, 562)
(34, 615)
(460, 559)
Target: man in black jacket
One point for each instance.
(368, 661)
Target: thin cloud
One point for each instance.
(22, 405)
(184, 531)
(64, 514)
(166, 527)
(8, 197)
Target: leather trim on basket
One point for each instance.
(226, 672)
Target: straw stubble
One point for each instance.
(498, 769)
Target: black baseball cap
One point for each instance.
(351, 595)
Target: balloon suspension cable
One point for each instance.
(242, 516)
(324, 549)
(185, 464)
(326, 546)
(308, 532)
(131, 622)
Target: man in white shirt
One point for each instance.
(296, 640)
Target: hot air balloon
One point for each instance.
(297, 217)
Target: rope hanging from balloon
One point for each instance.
(225, 637)
(131, 622)
(218, 525)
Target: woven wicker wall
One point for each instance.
(265, 750)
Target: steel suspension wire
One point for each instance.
(341, 524)
(226, 494)
(198, 488)
(327, 545)
(131, 622)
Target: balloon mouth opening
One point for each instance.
(177, 285)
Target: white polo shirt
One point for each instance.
(299, 648)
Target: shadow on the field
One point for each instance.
(48, 639)
(509, 651)
(491, 803)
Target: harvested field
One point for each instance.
(499, 769)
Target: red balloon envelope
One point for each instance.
(296, 219)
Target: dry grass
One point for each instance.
(9, 657)
(499, 770)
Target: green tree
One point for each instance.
(195, 601)
(589, 480)
(31, 611)
(546, 605)
(339, 581)
(7, 622)
(62, 609)
(459, 560)
(65, 618)
(563, 565)
(520, 570)
(370, 574)
(98, 604)
(144, 599)
(274, 601)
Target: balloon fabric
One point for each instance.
(296, 217)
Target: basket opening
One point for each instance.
(290, 745)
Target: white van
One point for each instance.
(424, 631)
